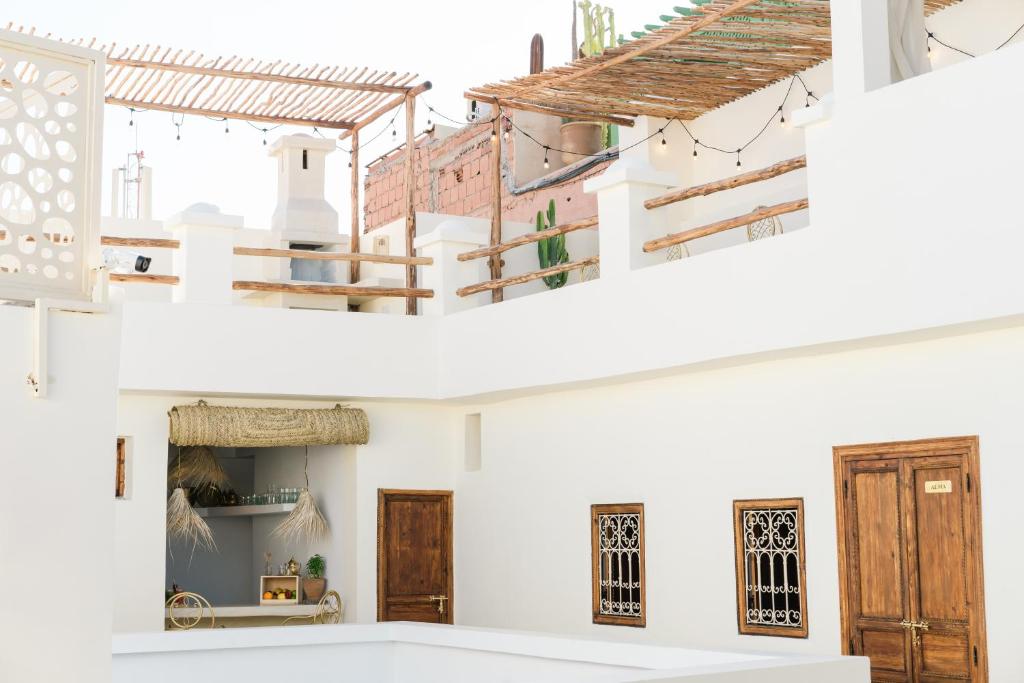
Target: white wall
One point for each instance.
(686, 446)
(58, 459)
(401, 653)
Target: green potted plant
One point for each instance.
(314, 585)
(583, 138)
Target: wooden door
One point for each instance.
(910, 564)
(414, 556)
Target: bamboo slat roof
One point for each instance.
(266, 91)
(720, 52)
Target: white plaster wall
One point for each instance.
(58, 459)
(686, 446)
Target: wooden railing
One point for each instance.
(495, 251)
(142, 243)
(332, 289)
(740, 180)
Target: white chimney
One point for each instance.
(301, 206)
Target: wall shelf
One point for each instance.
(246, 510)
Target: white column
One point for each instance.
(444, 243)
(206, 256)
(861, 59)
(623, 222)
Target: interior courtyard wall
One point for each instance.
(686, 446)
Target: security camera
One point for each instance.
(125, 261)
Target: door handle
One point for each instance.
(440, 599)
(915, 627)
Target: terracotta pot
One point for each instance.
(580, 138)
(313, 589)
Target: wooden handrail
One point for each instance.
(335, 256)
(142, 242)
(723, 225)
(527, 277)
(334, 290)
(781, 168)
(529, 237)
(145, 277)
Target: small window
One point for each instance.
(119, 477)
(617, 546)
(770, 576)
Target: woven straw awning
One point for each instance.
(205, 425)
(265, 91)
(720, 52)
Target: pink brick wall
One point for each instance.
(453, 177)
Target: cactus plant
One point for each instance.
(598, 36)
(551, 251)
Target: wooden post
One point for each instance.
(411, 305)
(497, 295)
(353, 267)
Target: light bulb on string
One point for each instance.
(782, 118)
(664, 142)
(131, 116)
(547, 164)
(226, 129)
(738, 164)
(695, 143)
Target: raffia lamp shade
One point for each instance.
(230, 427)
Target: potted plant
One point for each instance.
(314, 585)
(585, 138)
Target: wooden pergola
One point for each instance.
(719, 52)
(268, 92)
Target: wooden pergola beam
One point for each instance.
(228, 114)
(253, 76)
(411, 304)
(354, 246)
(551, 111)
(627, 55)
(497, 295)
(390, 106)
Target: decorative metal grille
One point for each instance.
(621, 580)
(49, 114)
(771, 553)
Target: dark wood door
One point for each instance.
(414, 556)
(910, 564)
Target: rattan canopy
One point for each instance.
(720, 52)
(248, 89)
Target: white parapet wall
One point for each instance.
(421, 653)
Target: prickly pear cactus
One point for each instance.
(551, 251)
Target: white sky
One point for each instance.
(455, 44)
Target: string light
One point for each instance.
(695, 143)
(131, 116)
(782, 118)
(226, 129)
(547, 164)
(178, 125)
(664, 142)
(738, 164)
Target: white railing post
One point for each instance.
(623, 222)
(444, 244)
(204, 262)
